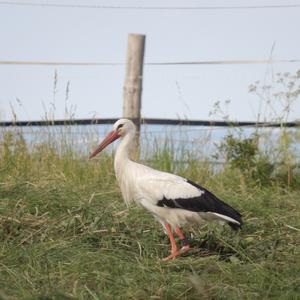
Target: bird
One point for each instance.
(173, 200)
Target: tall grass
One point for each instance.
(66, 233)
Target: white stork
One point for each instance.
(173, 200)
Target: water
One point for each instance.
(199, 141)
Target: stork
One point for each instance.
(173, 200)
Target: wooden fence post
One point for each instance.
(133, 81)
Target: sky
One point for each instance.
(95, 34)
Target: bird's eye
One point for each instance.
(120, 126)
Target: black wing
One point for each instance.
(206, 202)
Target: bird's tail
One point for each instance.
(235, 226)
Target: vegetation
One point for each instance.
(65, 232)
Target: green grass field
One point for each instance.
(65, 233)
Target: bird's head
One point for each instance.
(124, 126)
(121, 128)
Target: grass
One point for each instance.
(66, 234)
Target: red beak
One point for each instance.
(112, 136)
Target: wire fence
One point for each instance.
(161, 63)
(149, 121)
(147, 7)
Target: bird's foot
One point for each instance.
(185, 249)
(174, 254)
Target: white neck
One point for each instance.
(122, 166)
(123, 153)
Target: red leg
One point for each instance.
(186, 246)
(180, 233)
(174, 251)
(173, 242)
